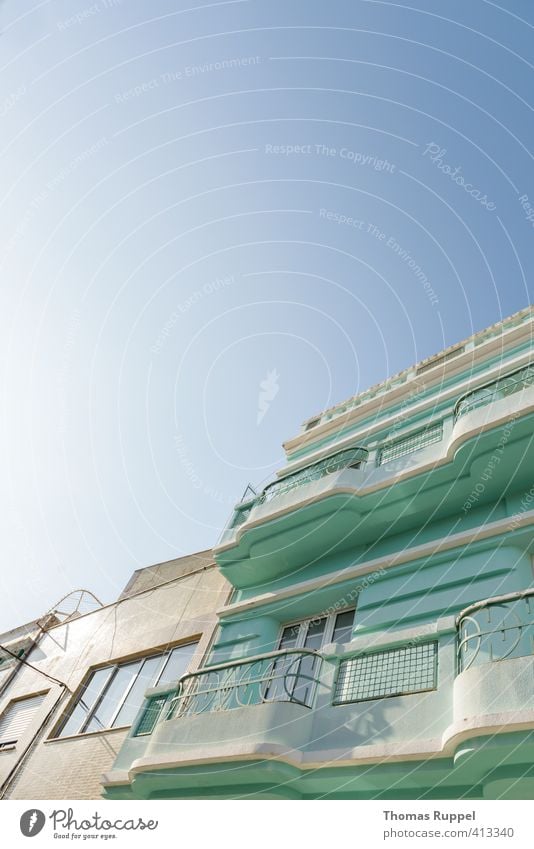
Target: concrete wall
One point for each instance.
(147, 617)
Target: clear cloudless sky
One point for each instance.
(195, 196)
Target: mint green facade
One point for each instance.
(413, 504)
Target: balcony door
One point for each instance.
(294, 676)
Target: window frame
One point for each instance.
(303, 631)
(94, 705)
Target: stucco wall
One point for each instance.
(155, 618)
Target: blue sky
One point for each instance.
(198, 198)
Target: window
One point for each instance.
(112, 696)
(396, 672)
(295, 677)
(17, 718)
(318, 632)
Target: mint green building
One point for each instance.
(379, 640)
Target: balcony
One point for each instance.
(496, 629)
(350, 459)
(278, 721)
(282, 676)
(495, 391)
(303, 515)
(256, 709)
(494, 688)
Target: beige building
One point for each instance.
(72, 683)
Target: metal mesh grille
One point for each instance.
(150, 715)
(410, 443)
(387, 673)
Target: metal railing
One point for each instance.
(281, 676)
(495, 629)
(494, 391)
(350, 458)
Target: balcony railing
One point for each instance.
(282, 676)
(500, 388)
(350, 458)
(496, 629)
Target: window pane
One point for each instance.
(275, 689)
(177, 664)
(88, 698)
(289, 637)
(134, 699)
(314, 636)
(343, 627)
(114, 693)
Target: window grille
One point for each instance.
(410, 669)
(150, 715)
(410, 443)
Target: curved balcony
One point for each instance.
(496, 629)
(352, 458)
(295, 518)
(495, 391)
(281, 676)
(494, 687)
